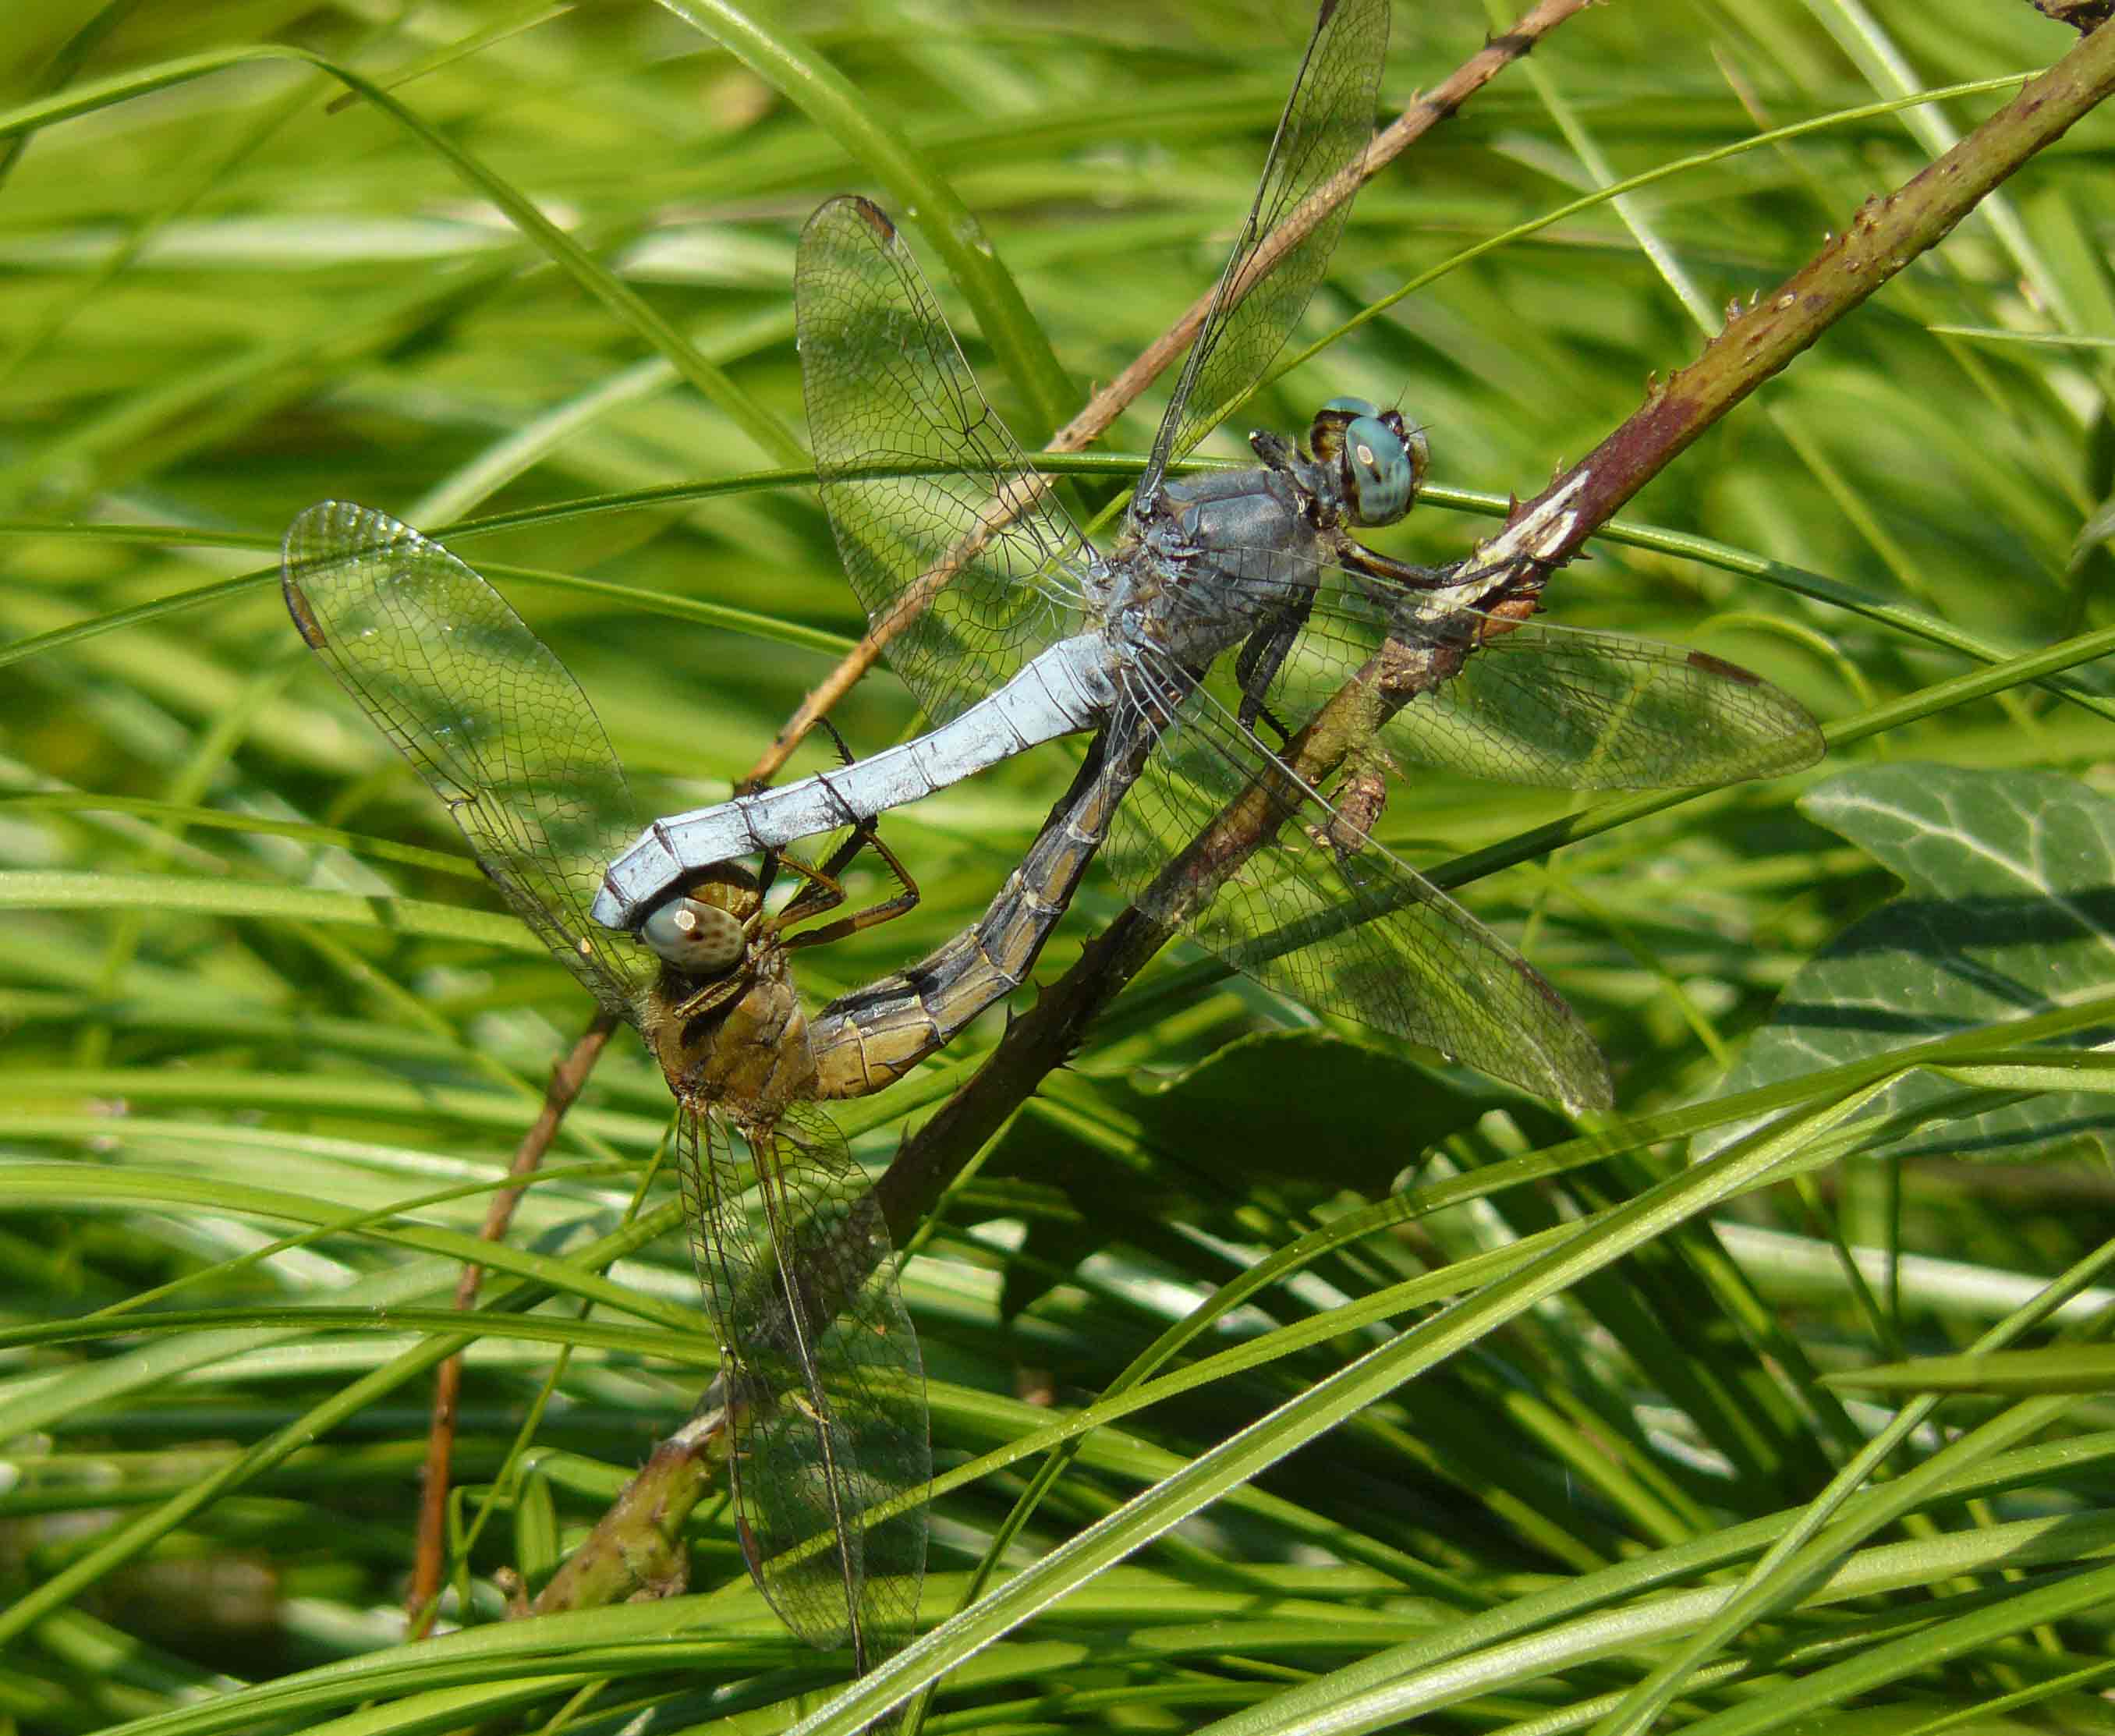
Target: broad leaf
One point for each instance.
(2007, 909)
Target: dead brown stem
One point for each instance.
(429, 1560)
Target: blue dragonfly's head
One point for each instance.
(1379, 464)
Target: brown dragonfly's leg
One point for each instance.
(865, 836)
(821, 887)
(767, 872)
(715, 993)
(845, 755)
(825, 891)
(822, 892)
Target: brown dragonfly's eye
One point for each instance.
(696, 938)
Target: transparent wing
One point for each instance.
(822, 1366)
(1327, 120)
(972, 547)
(486, 713)
(1544, 704)
(1322, 913)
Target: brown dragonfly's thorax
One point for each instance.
(748, 1048)
(727, 1024)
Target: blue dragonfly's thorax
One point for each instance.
(1207, 560)
(1212, 557)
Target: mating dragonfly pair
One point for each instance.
(1011, 629)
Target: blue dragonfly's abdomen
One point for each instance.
(1065, 690)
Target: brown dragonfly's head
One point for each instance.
(703, 931)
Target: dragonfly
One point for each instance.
(1011, 629)
(821, 1378)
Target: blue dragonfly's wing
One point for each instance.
(819, 1369)
(1321, 912)
(950, 539)
(1536, 703)
(1329, 915)
(488, 716)
(1265, 286)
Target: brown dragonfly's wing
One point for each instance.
(821, 1371)
(1327, 120)
(966, 531)
(485, 712)
(1325, 915)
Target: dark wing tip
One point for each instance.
(1579, 1080)
(1725, 670)
(859, 206)
(305, 624)
(299, 552)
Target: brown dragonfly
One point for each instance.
(821, 1377)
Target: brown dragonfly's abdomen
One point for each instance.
(871, 1037)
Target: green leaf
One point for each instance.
(2008, 1373)
(37, 889)
(1255, 1101)
(2008, 909)
(923, 196)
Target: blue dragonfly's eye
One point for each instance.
(1352, 407)
(700, 939)
(1383, 465)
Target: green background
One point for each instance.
(220, 302)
